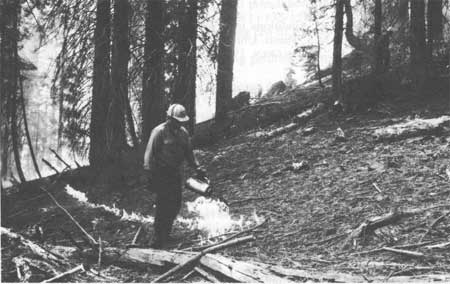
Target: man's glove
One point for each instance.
(201, 172)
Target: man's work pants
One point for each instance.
(168, 203)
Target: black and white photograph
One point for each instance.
(234, 141)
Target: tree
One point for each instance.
(418, 43)
(10, 10)
(225, 58)
(100, 84)
(378, 14)
(337, 51)
(115, 137)
(153, 74)
(434, 23)
(187, 58)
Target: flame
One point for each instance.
(213, 219)
(121, 213)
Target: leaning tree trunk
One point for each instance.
(225, 58)
(100, 84)
(378, 14)
(337, 51)
(25, 124)
(153, 74)
(418, 44)
(116, 139)
(187, 58)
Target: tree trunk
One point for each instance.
(434, 24)
(225, 58)
(130, 123)
(418, 45)
(116, 139)
(316, 31)
(187, 59)
(337, 51)
(12, 10)
(352, 39)
(25, 124)
(101, 84)
(5, 60)
(153, 74)
(378, 14)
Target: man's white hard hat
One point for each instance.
(178, 112)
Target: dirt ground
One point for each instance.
(310, 211)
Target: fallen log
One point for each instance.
(298, 121)
(38, 263)
(416, 127)
(196, 257)
(377, 222)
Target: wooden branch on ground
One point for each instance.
(405, 252)
(391, 218)
(69, 272)
(299, 120)
(35, 248)
(232, 236)
(50, 165)
(59, 158)
(416, 127)
(91, 240)
(435, 222)
(196, 257)
(438, 246)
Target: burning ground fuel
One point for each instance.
(210, 217)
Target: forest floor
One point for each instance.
(309, 211)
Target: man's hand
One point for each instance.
(201, 172)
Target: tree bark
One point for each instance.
(153, 74)
(377, 37)
(418, 44)
(337, 51)
(101, 84)
(12, 10)
(115, 137)
(187, 59)
(434, 24)
(5, 98)
(225, 58)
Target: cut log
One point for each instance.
(377, 222)
(416, 127)
(196, 257)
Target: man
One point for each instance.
(169, 145)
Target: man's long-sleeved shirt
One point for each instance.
(168, 147)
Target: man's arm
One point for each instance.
(151, 148)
